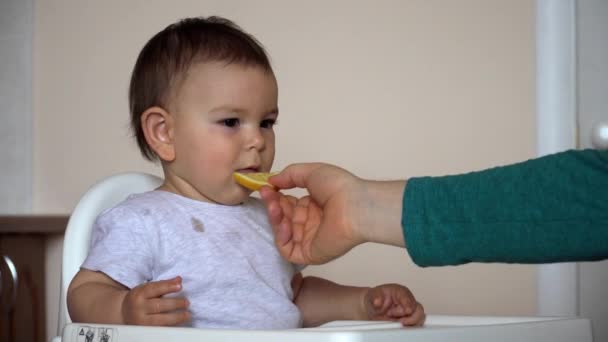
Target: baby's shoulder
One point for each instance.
(137, 207)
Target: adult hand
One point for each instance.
(145, 305)
(316, 228)
(341, 212)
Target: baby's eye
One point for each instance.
(268, 123)
(232, 122)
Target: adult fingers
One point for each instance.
(294, 175)
(269, 195)
(272, 199)
(299, 218)
(284, 229)
(282, 224)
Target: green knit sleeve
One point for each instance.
(549, 209)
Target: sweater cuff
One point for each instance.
(411, 221)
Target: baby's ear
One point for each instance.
(157, 125)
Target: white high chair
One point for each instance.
(101, 196)
(110, 191)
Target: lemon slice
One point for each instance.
(253, 180)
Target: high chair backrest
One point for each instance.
(101, 196)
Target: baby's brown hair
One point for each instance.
(166, 58)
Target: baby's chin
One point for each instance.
(236, 199)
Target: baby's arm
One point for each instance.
(94, 297)
(321, 301)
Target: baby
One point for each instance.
(198, 251)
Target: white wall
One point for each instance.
(16, 31)
(387, 89)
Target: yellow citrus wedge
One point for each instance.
(253, 180)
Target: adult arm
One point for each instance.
(549, 209)
(341, 212)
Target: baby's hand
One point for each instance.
(393, 302)
(144, 304)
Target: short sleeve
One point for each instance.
(121, 247)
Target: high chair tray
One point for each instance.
(437, 328)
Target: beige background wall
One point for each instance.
(387, 89)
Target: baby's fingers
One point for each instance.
(399, 311)
(169, 319)
(404, 306)
(405, 303)
(381, 304)
(416, 318)
(161, 305)
(377, 304)
(160, 288)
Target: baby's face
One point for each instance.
(224, 117)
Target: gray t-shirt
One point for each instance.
(232, 274)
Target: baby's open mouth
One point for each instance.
(249, 170)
